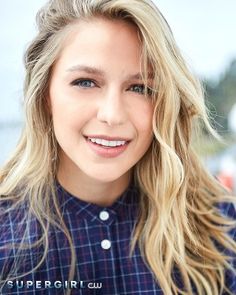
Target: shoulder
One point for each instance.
(13, 220)
(228, 210)
(17, 226)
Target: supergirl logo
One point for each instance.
(53, 284)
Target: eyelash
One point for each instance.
(79, 82)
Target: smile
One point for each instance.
(107, 143)
(107, 148)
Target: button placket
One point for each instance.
(104, 215)
(106, 244)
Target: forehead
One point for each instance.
(112, 47)
(102, 40)
(104, 26)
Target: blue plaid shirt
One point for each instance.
(101, 237)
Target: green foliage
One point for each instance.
(220, 97)
(207, 146)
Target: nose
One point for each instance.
(111, 108)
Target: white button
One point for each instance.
(106, 244)
(104, 215)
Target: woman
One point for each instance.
(104, 193)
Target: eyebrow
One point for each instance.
(99, 72)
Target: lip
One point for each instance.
(109, 138)
(106, 152)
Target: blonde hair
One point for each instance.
(178, 219)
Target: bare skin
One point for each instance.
(96, 89)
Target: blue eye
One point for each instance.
(83, 83)
(140, 89)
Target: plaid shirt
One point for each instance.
(101, 237)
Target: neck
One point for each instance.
(91, 190)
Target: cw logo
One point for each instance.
(94, 285)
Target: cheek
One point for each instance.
(69, 115)
(142, 116)
(65, 122)
(68, 125)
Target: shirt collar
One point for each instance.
(124, 208)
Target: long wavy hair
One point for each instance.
(178, 218)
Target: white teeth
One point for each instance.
(106, 142)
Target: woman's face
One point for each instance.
(96, 97)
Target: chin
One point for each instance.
(106, 175)
(105, 178)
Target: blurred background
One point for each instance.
(204, 31)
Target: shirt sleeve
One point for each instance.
(15, 228)
(228, 210)
(7, 241)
